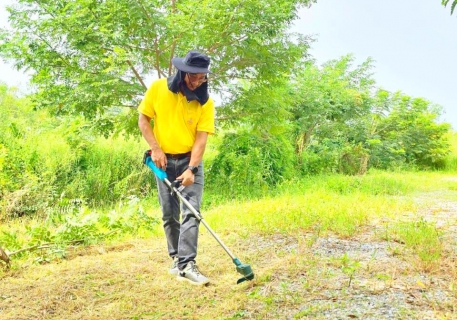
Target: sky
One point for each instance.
(413, 44)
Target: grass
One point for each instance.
(318, 246)
(450, 163)
(341, 214)
(423, 237)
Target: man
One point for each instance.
(183, 115)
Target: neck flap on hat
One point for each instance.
(176, 84)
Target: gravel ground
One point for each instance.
(388, 281)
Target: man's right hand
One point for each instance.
(157, 155)
(159, 158)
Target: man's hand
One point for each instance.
(157, 155)
(159, 158)
(187, 178)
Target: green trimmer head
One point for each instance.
(244, 269)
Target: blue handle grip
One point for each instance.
(161, 174)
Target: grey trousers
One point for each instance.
(182, 236)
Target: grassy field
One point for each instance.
(381, 246)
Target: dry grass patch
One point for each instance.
(306, 265)
(295, 278)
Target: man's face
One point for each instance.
(195, 80)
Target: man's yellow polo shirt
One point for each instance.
(176, 121)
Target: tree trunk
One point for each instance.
(303, 141)
(363, 164)
(4, 257)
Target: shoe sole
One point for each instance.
(174, 272)
(182, 279)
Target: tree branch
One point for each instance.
(144, 10)
(223, 33)
(157, 51)
(43, 246)
(173, 47)
(137, 75)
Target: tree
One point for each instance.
(453, 4)
(327, 97)
(411, 133)
(94, 57)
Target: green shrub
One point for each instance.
(354, 160)
(412, 133)
(249, 163)
(314, 161)
(55, 158)
(450, 162)
(333, 156)
(77, 226)
(108, 170)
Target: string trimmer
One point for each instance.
(175, 187)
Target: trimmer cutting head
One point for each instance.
(244, 269)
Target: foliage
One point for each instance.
(339, 204)
(349, 266)
(346, 129)
(378, 184)
(78, 225)
(453, 4)
(450, 162)
(334, 156)
(247, 160)
(328, 106)
(94, 57)
(265, 107)
(411, 134)
(329, 98)
(320, 158)
(108, 170)
(20, 185)
(396, 131)
(321, 109)
(50, 159)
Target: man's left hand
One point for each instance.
(187, 178)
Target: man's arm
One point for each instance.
(198, 149)
(157, 155)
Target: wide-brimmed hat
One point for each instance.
(193, 62)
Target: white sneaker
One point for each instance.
(174, 267)
(192, 275)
